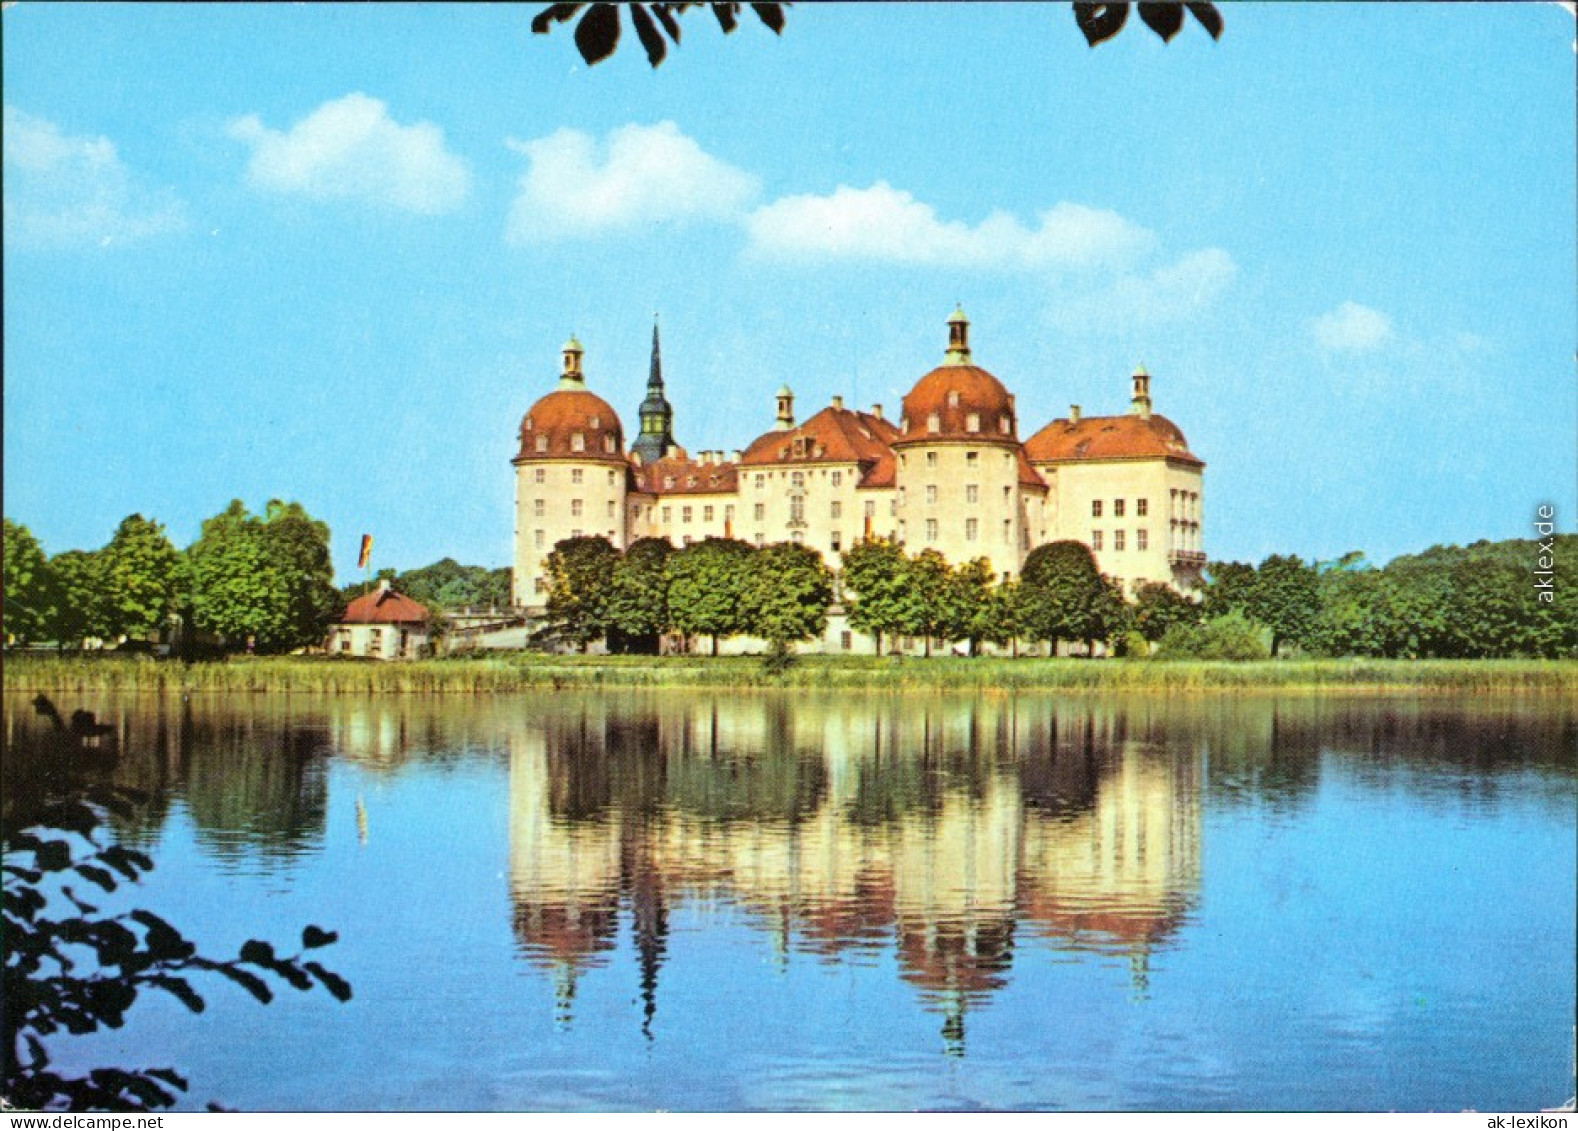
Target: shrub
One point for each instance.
(1232, 636)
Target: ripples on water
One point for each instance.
(867, 901)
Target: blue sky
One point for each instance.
(330, 253)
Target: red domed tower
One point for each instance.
(963, 486)
(570, 475)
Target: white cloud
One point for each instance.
(639, 175)
(65, 191)
(885, 224)
(1172, 292)
(351, 149)
(1351, 328)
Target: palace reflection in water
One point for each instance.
(950, 832)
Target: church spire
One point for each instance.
(657, 415)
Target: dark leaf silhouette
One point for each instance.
(597, 34)
(1208, 17)
(314, 937)
(182, 990)
(727, 18)
(772, 15)
(332, 982)
(97, 875)
(257, 952)
(1100, 22)
(651, 37)
(1166, 20)
(553, 14)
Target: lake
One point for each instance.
(677, 900)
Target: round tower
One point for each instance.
(570, 476)
(958, 479)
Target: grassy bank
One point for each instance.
(527, 672)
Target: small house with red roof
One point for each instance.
(383, 624)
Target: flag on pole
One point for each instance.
(367, 552)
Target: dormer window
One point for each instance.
(690, 480)
(597, 422)
(904, 425)
(1004, 425)
(608, 444)
(542, 443)
(799, 447)
(934, 423)
(528, 424)
(972, 423)
(578, 441)
(953, 398)
(668, 483)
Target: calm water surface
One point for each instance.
(747, 901)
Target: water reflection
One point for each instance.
(842, 827)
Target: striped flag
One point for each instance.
(367, 552)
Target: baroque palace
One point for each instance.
(951, 474)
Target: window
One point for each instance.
(1005, 425)
(1095, 539)
(1142, 507)
(539, 508)
(1117, 540)
(972, 529)
(931, 530)
(838, 478)
(797, 510)
(610, 475)
(612, 508)
(846, 640)
(540, 475)
(972, 423)
(668, 483)
(578, 441)
(972, 493)
(837, 509)
(575, 508)
(1095, 509)
(797, 537)
(542, 443)
(539, 586)
(684, 514)
(931, 459)
(797, 480)
(971, 459)
(596, 422)
(931, 493)
(761, 539)
(539, 539)
(871, 508)
(1142, 540)
(576, 533)
(686, 540)
(761, 482)
(635, 511)
(1008, 530)
(609, 445)
(1117, 508)
(953, 398)
(934, 423)
(706, 514)
(761, 511)
(728, 513)
(575, 475)
(668, 515)
(836, 542)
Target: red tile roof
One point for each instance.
(383, 606)
(547, 430)
(1110, 437)
(681, 475)
(953, 393)
(833, 435)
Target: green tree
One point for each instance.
(77, 602)
(1229, 586)
(1062, 592)
(930, 582)
(1158, 606)
(877, 592)
(706, 584)
(580, 576)
(237, 591)
(638, 600)
(970, 606)
(27, 584)
(1285, 598)
(1112, 617)
(138, 576)
(1004, 621)
(786, 594)
(297, 546)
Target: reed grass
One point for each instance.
(519, 672)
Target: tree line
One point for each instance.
(262, 582)
(1449, 602)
